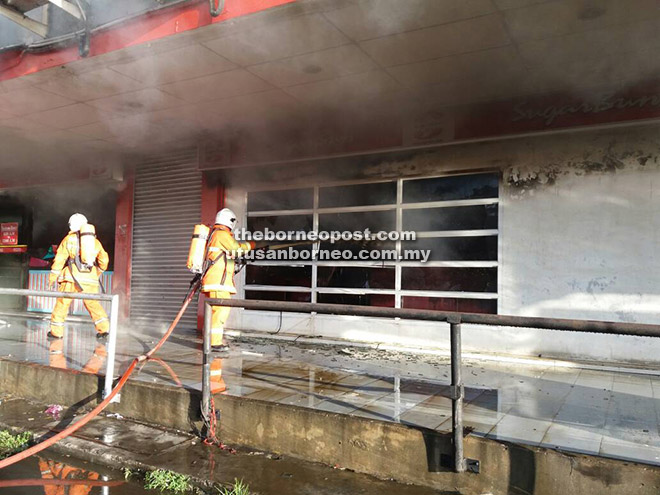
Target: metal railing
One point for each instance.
(459, 463)
(112, 333)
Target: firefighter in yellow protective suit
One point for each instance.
(77, 268)
(53, 470)
(57, 359)
(218, 281)
(218, 383)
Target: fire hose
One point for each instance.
(98, 409)
(46, 482)
(194, 286)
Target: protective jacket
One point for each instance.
(222, 250)
(53, 470)
(68, 267)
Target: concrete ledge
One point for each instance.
(412, 455)
(172, 407)
(383, 449)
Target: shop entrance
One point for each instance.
(41, 215)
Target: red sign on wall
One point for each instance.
(9, 233)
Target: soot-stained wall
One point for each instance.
(578, 236)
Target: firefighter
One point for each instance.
(93, 365)
(53, 470)
(78, 264)
(218, 281)
(217, 381)
(57, 359)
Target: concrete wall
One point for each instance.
(585, 246)
(578, 238)
(379, 448)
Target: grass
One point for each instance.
(170, 482)
(239, 488)
(167, 481)
(11, 444)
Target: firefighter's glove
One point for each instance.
(195, 279)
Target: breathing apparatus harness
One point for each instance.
(85, 258)
(198, 256)
(198, 262)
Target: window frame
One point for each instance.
(399, 207)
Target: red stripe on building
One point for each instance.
(149, 27)
(213, 199)
(124, 243)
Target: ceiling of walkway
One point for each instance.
(313, 59)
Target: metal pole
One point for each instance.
(53, 293)
(397, 395)
(591, 326)
(310, 388)
(206, 368)
(105, 490)
(456, 395)
(112, 346)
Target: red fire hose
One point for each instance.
(95, 412)
(46, 482)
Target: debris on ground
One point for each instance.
(54, 411)
(362, 352)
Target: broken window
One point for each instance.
(455, 218)
(457, 248)
(375, 221)
(451, 304)
(356, 277)
(291, 276)
(378, 193)
(267, 295)
(291, 199)
(449, 279)
(378, 300)
(286, 223)
(459, 187)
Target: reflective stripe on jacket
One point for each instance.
(223, 248)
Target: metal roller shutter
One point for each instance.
(167, 205)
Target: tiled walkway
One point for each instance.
(581, 410)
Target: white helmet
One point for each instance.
(76, 221)
(227, 218)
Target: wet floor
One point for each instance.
(110, 439)
(62, 476)
(594, 411)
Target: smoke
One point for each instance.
(50, 211)
(288, 81)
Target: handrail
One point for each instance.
(561, 324)
(53, 293)
(454, 319)
(112, 332)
